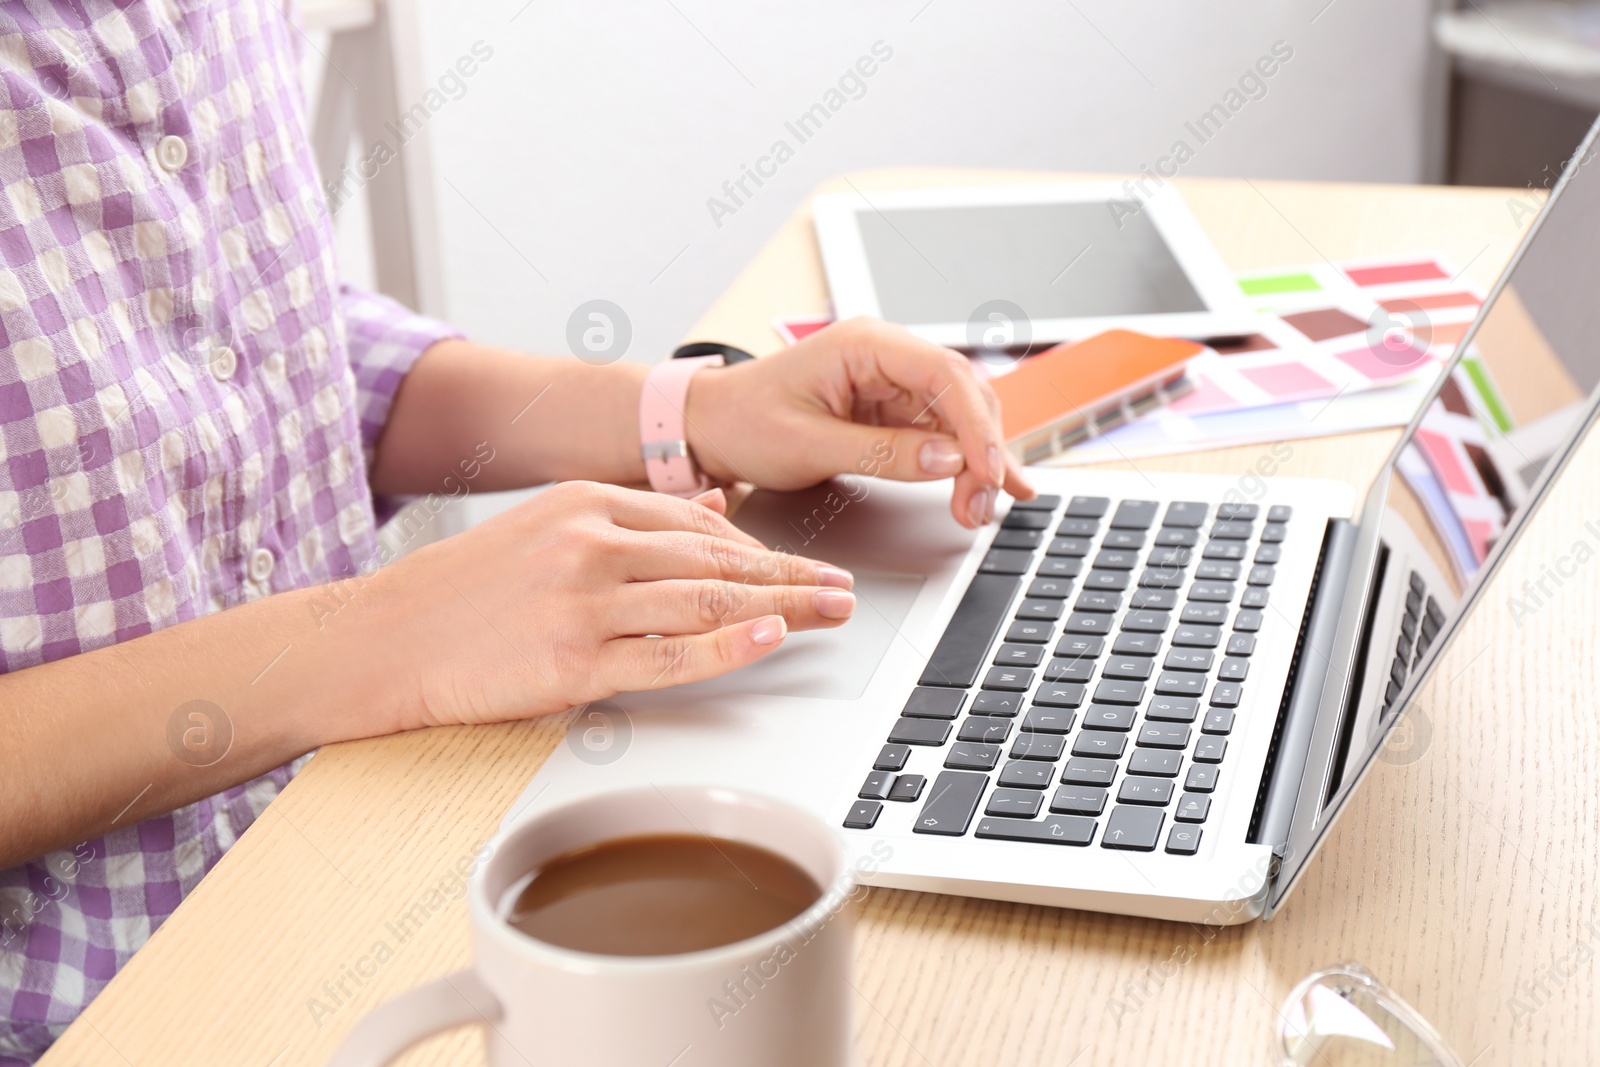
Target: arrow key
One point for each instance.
(1133, 828)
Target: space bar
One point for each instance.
(965, 645)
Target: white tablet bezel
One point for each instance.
(850, 280)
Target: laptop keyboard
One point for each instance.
(1086, 684)
(1418, 627)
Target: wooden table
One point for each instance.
(1464, 873)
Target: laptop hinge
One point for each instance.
(1291, 739)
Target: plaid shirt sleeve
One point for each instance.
(385, 340)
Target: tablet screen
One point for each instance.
(1061, 260)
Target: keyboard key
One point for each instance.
(1185, 513)
(1023, 630)
(1197, 636)
(1135, 668)
(1115, 581)
(1241, 645)
(1204, 614)
(1279, 513)
(1248, 512)
(1273, 533)
(1155, 762)
(1087, 507)
(1049, 589)
(1082, 771)
(1099, 745)
(1176, 537)
(1060, 695)
(1144, 791)
(1008, 679)
(1038, 746)
(1108, 603)
(1169, 557)
(1162, 578)
(1234, 669)
(1068, 546)
(1165, 735)
(1042, 502)
(1202, 779)
(1180, 684)
(891, 757)
(1059, 567)
(1183, 840)
(1108, 717)
(1225, 695)
(1188, 659)
(1018, 539)
(1050, 830)
(1134, 828)
(1036, 608)
(1193, 807)
(1134, 515)
(1269, 553)
(1413, 602)
(1123, 539)
(1014, 803)
(1048, 720)
(1217, 721)
(1027, 519)
(1223, 550)
(1133, 644)
(1077, 528)
(1218, 570)
(1073, 646)
(951, 802)
(920, 732)
(1224, 530)
(1261, 574)
(1114, 691)
(1255, 597)
(1153, 599)
(1210, 749)
(972, 756)
(863, 815)
(877, 786)
(964, 646)
(986, 729)
(927, 703)
(1248, 620)
(1087, 622)
(1173, 709)
(989, 702)
(1116, 559)
(1069, 670)
(1214, 592)
(907, 788)
(1006, 561)
(1021, 774)
(1147, 622)
(1434, 613)
(1009, 655)
(1078, 800)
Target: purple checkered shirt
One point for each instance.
(188, 403)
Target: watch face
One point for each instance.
(695, 349)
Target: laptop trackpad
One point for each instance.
(832, 664)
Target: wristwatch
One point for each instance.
(663, 442)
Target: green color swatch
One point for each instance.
(1488, 392)
(1300, 282)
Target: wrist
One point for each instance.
(708, 413)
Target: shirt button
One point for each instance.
(261, 564)
(172, 153)
(223, 363)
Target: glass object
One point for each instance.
(1344, 1017)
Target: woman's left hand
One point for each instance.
(859, 397)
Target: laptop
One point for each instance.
(1143, 693)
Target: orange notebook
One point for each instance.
(1075, 391)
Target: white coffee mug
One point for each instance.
(781, 999)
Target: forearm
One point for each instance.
(547, 419)
(105, 739)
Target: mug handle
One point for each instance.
(451, 1001)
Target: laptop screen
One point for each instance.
(1515, 398)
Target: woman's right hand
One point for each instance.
(553, 603)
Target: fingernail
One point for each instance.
(835, 603)
(835, 576)
(708, 497)
(989, 496)
(769, 631)
(942, 458)
(997, 466)
(980, 509)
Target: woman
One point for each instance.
(194, 417)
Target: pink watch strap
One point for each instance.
(662, 441)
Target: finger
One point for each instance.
(1017, 483)
(693, 607)
(634, 509)
(972, 501)
(634, 664)
(679, 554)
(714, 499)
(901, 453)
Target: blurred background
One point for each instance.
(503, 162)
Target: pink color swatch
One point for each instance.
(1446, 465)
(1390, 273)
(1381, 365)
(1284, 380)
(1206, 395)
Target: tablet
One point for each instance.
(1011, 266)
